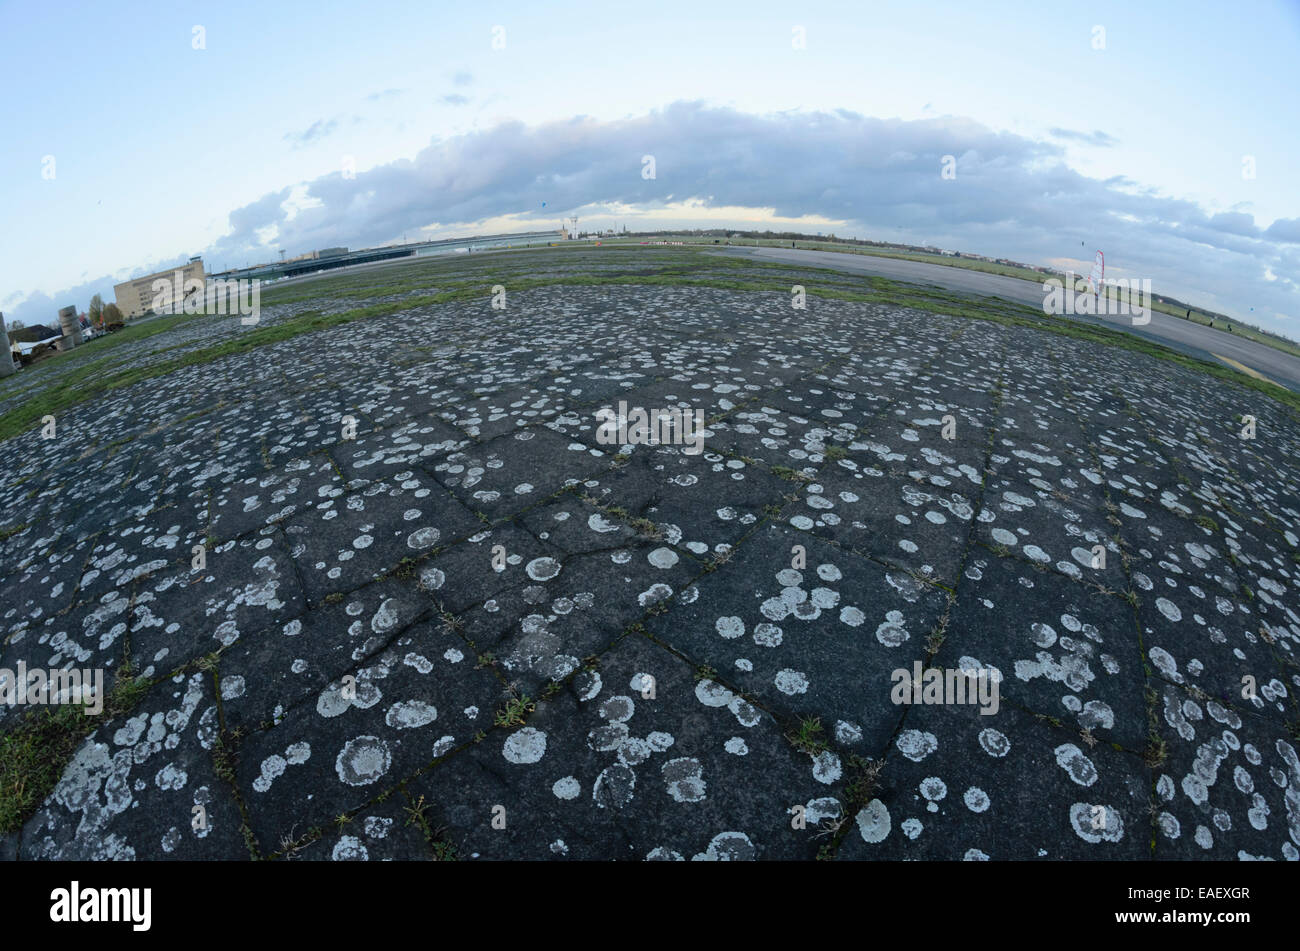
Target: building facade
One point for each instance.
(138, 295)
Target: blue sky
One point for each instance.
(235, 150)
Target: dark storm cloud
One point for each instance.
(842, 166)
(1012, 196)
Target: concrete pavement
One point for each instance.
(1194, 339)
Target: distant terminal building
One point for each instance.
(316, 255)
(138, 296)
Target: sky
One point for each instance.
(137, 134)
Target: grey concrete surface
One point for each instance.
(1195, 339)
(465, 627)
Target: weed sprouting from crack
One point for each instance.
(809, 736)
(290, 846)
(405, 569)
(515, 712)
(830, 826)
(415, 815)
(791, 475)
(864, 780)
(1156, 752)
(720, 559)
(443, 851)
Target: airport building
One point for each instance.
(137, 296)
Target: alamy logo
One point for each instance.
(102, 904)
(656, 427)
(1131, 298)
(217, 296)
(937, 686)
(39, 687)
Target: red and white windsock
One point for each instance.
(1098, 273)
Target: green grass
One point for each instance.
(676, 269)
(1238, 328)
(809, 737)
(34, 754)
(515, 712)
(790, 475)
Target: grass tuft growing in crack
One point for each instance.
(515, 712)
(34, 754)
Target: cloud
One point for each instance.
(1096, 137)
(455, 99)
(1237, 223)
(1284, 229)
(842, 166)
(462, 78)
(384, 94)
(317, 130)
(1012, 196)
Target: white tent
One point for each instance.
(25, 347)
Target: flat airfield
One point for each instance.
(1207, 343)
(438, 619)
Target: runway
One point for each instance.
(1183, 335)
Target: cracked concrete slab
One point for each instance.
(461, 625)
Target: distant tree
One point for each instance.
(96, 309)
(111, 315)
